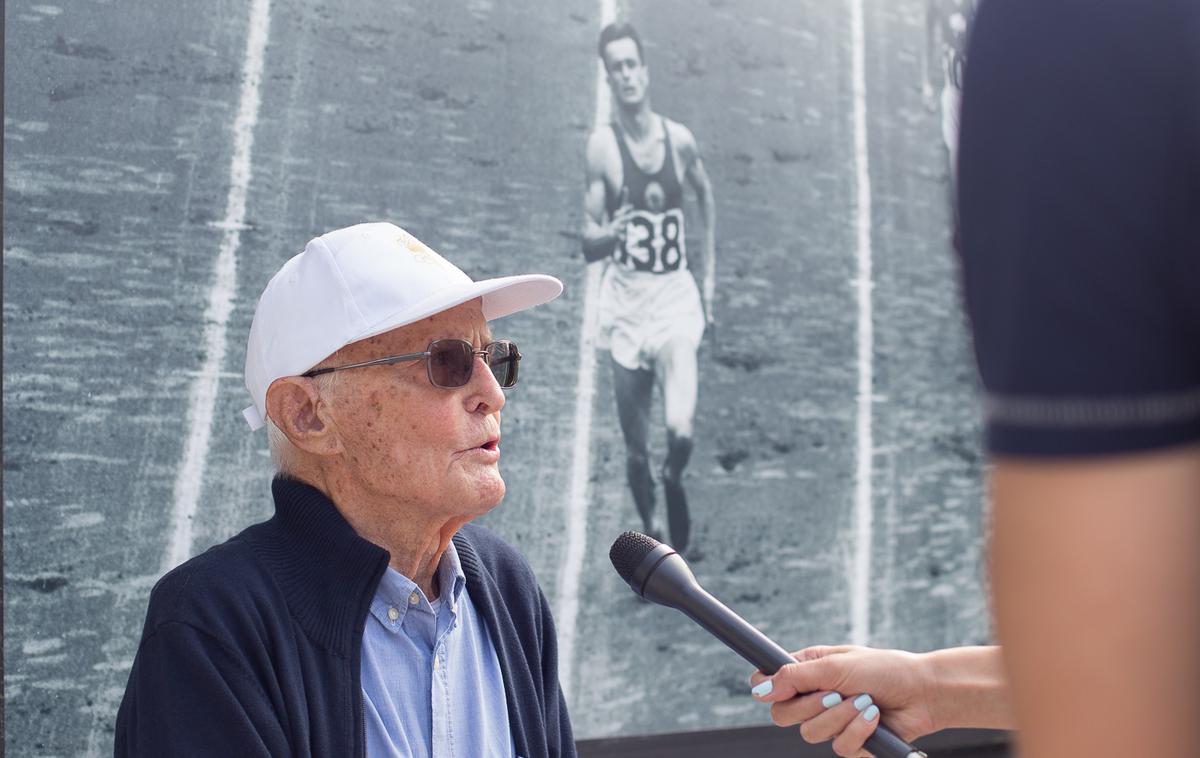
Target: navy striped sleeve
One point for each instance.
(1079, 202)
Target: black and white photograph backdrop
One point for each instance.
(162, 160)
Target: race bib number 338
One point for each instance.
(654, 242)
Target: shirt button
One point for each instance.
(393, 614)
(454, 607)
(414, 598)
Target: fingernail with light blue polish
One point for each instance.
(831, 700)
(763, 688)
(862, 701)
(871, 713)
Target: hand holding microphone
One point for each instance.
(657, 573)
(805, 693)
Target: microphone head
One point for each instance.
(628, 551)
(652, 569)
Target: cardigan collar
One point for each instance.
(329, 575)
(327, 572)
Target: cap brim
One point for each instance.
(502, 296)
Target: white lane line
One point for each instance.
(202, 396)
(860, 580)
(571, 570)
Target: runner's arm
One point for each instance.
(930, 52)
(600, 237)
(698, 178)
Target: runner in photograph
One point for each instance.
(652, 316)
(947, 23)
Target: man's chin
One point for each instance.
(489, 494)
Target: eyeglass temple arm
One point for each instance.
(392, 359)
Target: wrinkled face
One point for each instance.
(627, 75)
(408, 441)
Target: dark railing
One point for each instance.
(774, 742)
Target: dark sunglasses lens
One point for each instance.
(450, 363)
(504, 359)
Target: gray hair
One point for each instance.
(284, 455)
(283, 452)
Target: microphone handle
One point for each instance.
(762, 652)
(737, 633)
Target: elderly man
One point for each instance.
(367, 617)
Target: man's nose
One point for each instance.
(486, 395)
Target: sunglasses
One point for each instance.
(449, 362)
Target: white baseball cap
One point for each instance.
(354, 283)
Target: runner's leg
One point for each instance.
(633, 390)
(677, 374)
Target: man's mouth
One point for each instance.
(489, 448)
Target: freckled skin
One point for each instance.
(409, 471)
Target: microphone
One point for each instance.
(659, 574)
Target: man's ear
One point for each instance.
(295, 406)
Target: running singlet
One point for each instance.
(654, 240)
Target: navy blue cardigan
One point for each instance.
(253, 647)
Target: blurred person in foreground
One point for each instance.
(367, 617)
(1080, 207)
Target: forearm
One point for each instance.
(966, 688)
(1095, 577)
(709, 218)
(710, 251)
(601, 226)
(599, 241)
(931, 41)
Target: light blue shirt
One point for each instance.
(431, 680)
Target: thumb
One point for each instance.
(816, 652)
(800, 678)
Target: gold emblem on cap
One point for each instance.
(419, 250)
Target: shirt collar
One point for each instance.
(397, 594)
